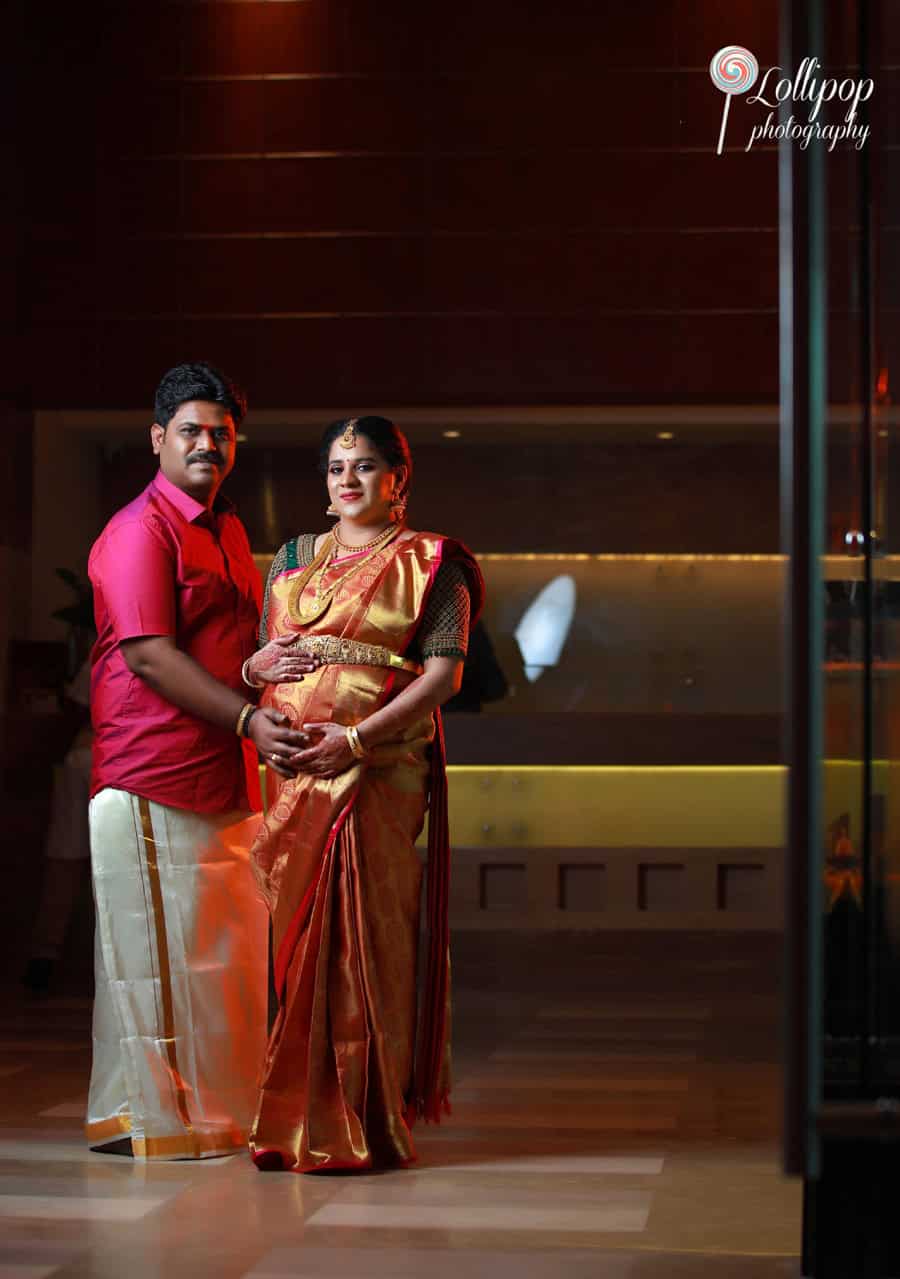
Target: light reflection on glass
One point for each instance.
(544, 626)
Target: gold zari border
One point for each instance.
(165, 973)
(189, 1146)
(104, 1128)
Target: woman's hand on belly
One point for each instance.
(329, 754)
(280, 663)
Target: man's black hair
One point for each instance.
(197, 382)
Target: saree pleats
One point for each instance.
(338, 864)
(341, 1052)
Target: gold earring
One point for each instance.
(398, 509)
(332, 511)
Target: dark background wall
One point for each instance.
(397, 202)
(15, 423)
(554, 496)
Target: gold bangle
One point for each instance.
(246, 711)
(359, 751)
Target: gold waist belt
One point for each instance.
(332, 649)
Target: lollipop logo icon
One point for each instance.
(733, 70)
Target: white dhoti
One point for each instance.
(181, 961)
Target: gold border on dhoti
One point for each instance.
(165, 973)
(103, 1129)
(192, 1145)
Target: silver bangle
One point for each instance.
(245, 675)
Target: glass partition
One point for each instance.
(840, 347)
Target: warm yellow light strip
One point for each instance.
(618, 806)
(848, 566)
(488, 770)
(830, 562)
(581, 556)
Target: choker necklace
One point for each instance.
(344, 546)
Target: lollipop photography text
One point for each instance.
(734, 70)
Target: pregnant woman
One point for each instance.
(358, 1049)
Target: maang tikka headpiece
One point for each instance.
(348, 439)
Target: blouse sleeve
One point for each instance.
(278, 565)
(444, 628)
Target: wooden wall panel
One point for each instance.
(528, 39)
(498, 273)
(732, 270)
(653, 359)
(500, 203)
(134, 39)
(393, 36)
(888, 110)
(256, 38)
(555, 110)
(342, 359)
(125, 358)
(344, 193)
(377, 113)
(328, 275)
(332, 274)
(706, 199)
(136, 195)
(140, 115)
(705, 26)
(405, 360)
(224, 117)
(225, 196)
(566, 190)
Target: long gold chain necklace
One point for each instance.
(306, 610)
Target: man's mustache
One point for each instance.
(215, 458)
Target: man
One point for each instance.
(180, 1003)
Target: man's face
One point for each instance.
(196, 450)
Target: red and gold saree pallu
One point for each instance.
(337, 860)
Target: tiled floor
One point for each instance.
(615, 1116)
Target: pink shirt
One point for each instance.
(165, 566)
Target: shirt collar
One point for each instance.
(188, 506)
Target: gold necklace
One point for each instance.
(305, 611)
(344, 546)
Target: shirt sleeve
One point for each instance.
(136, 575)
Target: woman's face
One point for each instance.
(360, 483)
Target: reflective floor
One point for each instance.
(615, 1115)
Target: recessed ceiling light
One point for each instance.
(452, 435)
(665, 435)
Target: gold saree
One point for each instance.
(344, 1076)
